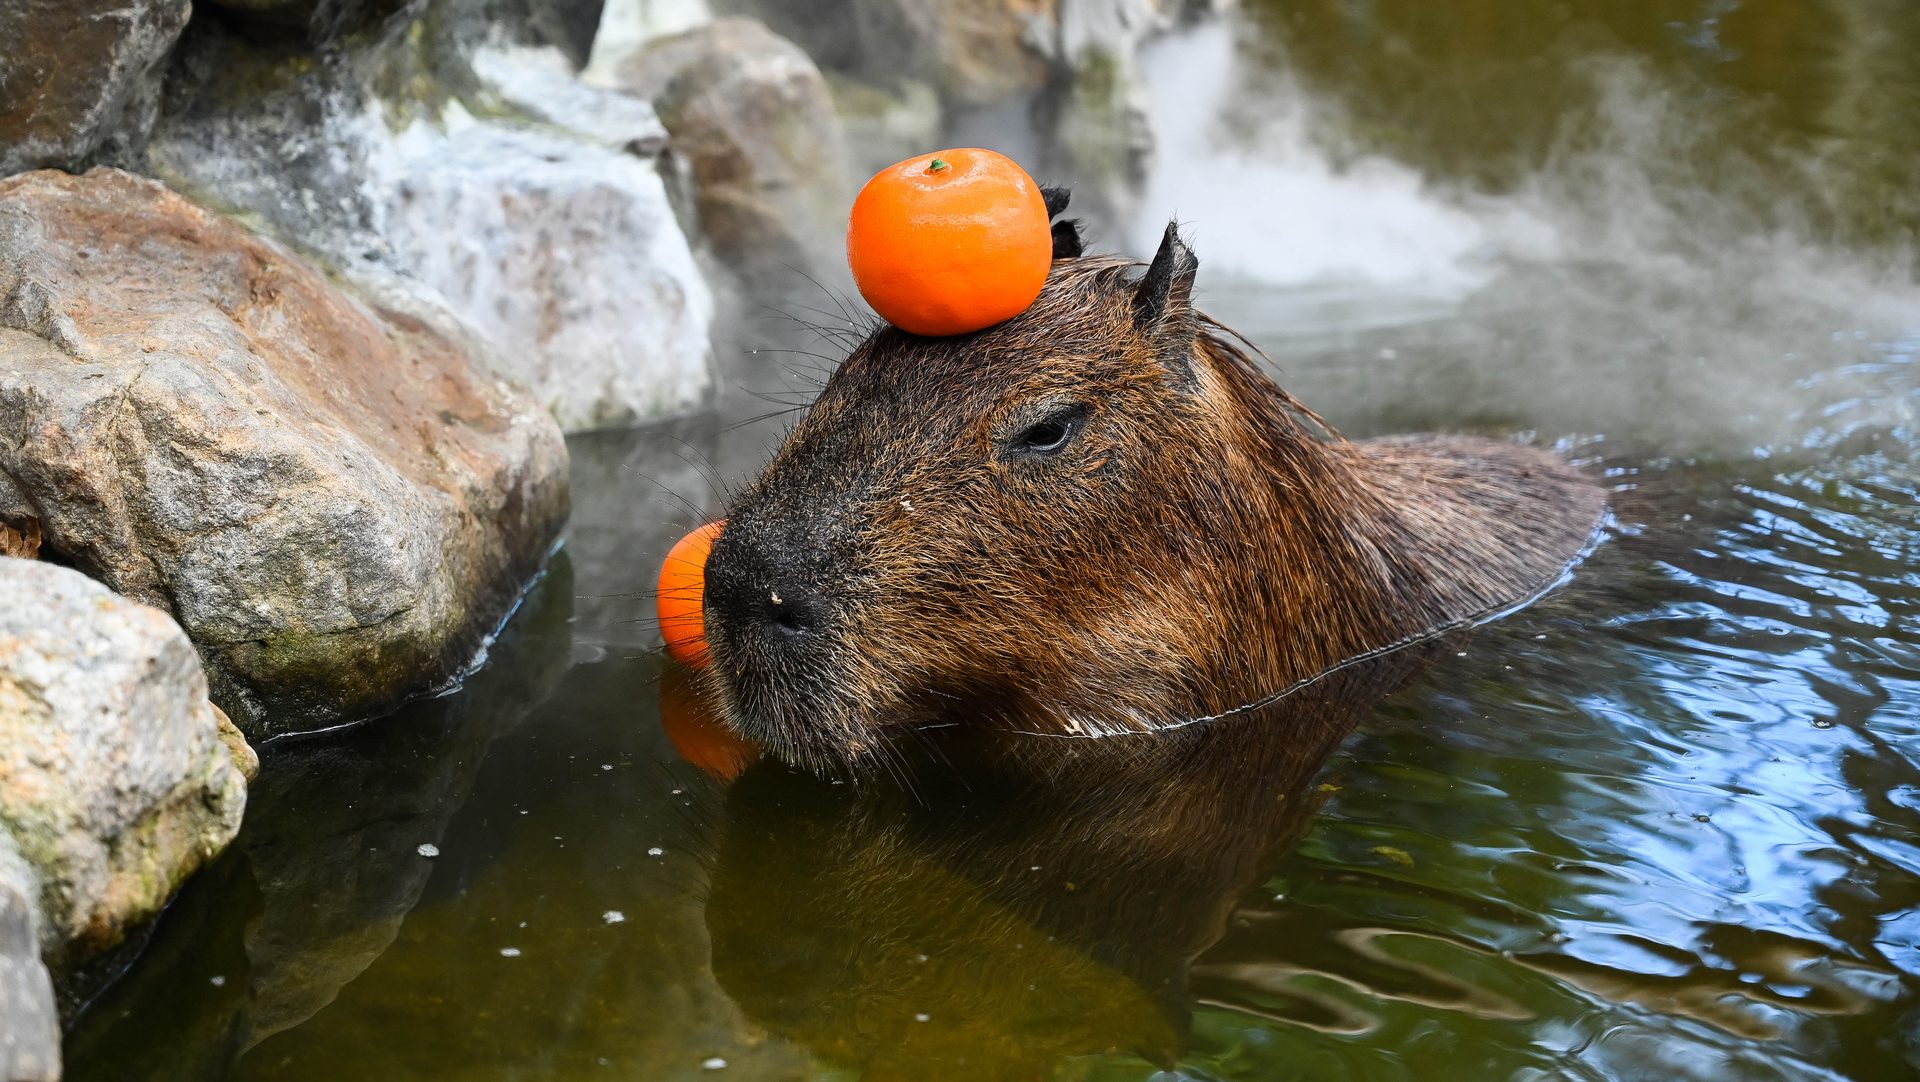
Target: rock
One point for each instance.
(1097, 109)
(22, 541)
(563, 255)
(245, 759)
(329, 498)
(114, 782)
(325, 21)
(80, 77)
(626, 26)
(539, 83)
(752, 116)
(1111, 28)
(553, 253)
(1055, 83)
(569, 25)
(976, 53)
(884, 124)
(566, 24)
(29, 1019)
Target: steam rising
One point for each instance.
(1266, 204)
(1647, 284)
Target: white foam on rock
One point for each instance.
(627, 25)
(562, 254)
(545, 242)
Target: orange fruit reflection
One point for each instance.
(692, 723)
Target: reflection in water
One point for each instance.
(1010, 905)
(1794, 111)
(325, 870)
(1638, 219)
(1665, 823)
(694, 724)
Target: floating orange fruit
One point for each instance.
(683, 583)
(950, 242)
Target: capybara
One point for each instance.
(1098, 517)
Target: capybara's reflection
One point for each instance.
(999, 903)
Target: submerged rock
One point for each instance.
(480, 187)
(115, 784)
(78, 74)
(752, 117)
(329, 498)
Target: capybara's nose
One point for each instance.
(754, 596)
(793, 613)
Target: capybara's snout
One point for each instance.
(766, 602)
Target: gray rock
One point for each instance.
(1055, 83)
(567, 25)
(329, 498)
(626, 26)
(114, 782)
(564, 256)
(78, 75)
(885, 124)
(752, 117)
(1097, 110)
(29, 1020)
(489, 193)
(326, 22)
(976, 53)
(540, 83)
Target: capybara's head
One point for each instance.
(1098, 516)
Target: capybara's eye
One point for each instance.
(1051, 433)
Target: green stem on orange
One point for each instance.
(938, 165)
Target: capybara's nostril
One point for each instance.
(792, 613)
(756, 594)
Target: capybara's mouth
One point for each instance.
(780, 634)
(786, 694)
(802, 726)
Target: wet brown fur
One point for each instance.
(1205, 542)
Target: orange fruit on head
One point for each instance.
(683, 583)
(950, 242)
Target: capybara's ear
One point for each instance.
(1165, 292)
(1163, 303)
(1066, 232)
(1066, 239)
(1163, 300)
